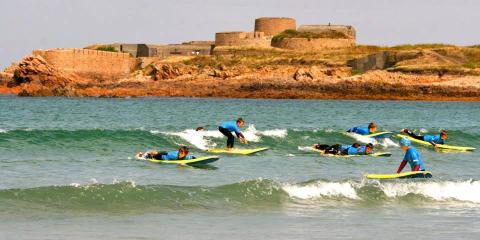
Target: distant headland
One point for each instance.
(276, 60)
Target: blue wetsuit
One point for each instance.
(358, 151)
(231, 126)
(412, 156)
(173, 155)
(362, 130)
(226, 128)
(433, 139)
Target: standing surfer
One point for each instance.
(226, 128)
(412, 156)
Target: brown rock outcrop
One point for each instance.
(41, 79)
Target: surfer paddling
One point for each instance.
(432, 139)
(181, 154)
(364, 130)
(337, 149)
(226, 128)
(412, 156)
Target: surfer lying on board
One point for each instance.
(412, 156)
(433, 139)
(181, 154)
(226, 128)
(337, 149)
(364, 130)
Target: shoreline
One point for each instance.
(274, 96)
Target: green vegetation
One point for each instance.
(291, 33)
(420, 46)
(356, 72)
(441, 59)
(106, 48)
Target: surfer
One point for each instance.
(226, 128)
(181, 154)
(432, 139)
(412, 156)
(364, 130)
(337, 149)
(199, 129)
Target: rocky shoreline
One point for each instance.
(276, 75)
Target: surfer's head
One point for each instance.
(182, 152)
(369, 148)
(443, 134)
(405, 144)
(372, 127)
(240, 122)
(199, 129)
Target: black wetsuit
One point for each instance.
(335, 149)
(413, 135)
(158, 156)
(229, 135)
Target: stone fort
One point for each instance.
(105, 65)
(267, 27)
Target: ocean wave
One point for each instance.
(468, 191)
(251, 194)
(461, 191)
(147, 138)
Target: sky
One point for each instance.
(26, 25)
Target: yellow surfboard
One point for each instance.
(417, 174)
(196, 161)
(237, 150)
(379, 135)
(439, 146)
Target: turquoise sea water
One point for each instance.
(68, 171)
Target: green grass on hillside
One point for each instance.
(106, 49)
(291, 33)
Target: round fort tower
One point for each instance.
(272, 25)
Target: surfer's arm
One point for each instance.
(242, 138)
(402, 165)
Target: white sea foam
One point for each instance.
(197, 138)
(321, 189)
(3, 130)
(254, 135)
(463, 191)
(305, 148)
(441, 191)
(384, 142)
(201, 139)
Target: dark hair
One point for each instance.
(183, 148)
(443, 132)
(240, 120)
(356, 145)
(199, 128)
(372, 125)
(370, 145)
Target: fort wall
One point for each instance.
(252, 39)
(309, 44)
(90, 63)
